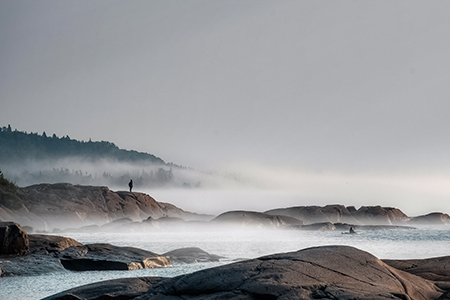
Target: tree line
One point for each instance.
(21, 152)
(19, 145)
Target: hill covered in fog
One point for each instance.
(17, 146)
(32, 158)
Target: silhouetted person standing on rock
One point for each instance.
(130, 184)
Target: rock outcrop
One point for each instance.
(250, 219)
(191, 255)
(436, 268)
(377, 215)
(370, 215)
(13, 239)
(63, 205)
(435, 218)
(100, 257)
(316, 214)
(331, 272)
(48, 253)
(40, 243)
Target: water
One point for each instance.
(423, 242)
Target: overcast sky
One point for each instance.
(306, 92)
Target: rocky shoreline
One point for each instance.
(328, 272)
(29, 255)
(63, 207)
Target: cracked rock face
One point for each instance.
(332, 272)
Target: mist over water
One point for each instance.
(233, 245)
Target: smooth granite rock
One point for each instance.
(118, 289)
(250, 219)
(64, 205)
(330, 272)
(191, 255)
(377, 215)
(49, 253)
(369, 215)
(435, 218)
(436, 268)
(316, 214)
(50, 243)
(108, 257)
(13, 239)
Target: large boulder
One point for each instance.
(254, 220)
(50, 243)
(377, 215)
(191, 255)
(41, 257)
(125, 288)
(316, 214)
(435, 218)
(332, 272)
(436, 268)
(13, 239)
(108, 257)
(64, 205)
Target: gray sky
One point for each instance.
(295, 92)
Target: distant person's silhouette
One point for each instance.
(351, 230)
(130, 184)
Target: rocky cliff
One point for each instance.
(63, 205)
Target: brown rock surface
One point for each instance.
(377, 215)
(435, 218)
(13, 239)
(373, 215)
(50, 243)
(191, 255)
(332, 272)
(436, 268)
(108, 257)
(254, 219)
(63, 205)
(316, 214)
(120, 289)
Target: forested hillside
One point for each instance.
(31, 158)
(18, 146)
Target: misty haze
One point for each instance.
(224, 150)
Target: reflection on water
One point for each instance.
(233, 245)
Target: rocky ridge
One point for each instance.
(63, 205)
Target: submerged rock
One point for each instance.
(191, 255)
(331, 272)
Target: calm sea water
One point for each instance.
(422, 242)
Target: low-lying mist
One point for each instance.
(262, 188)
(115, 174)
(243, 186)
